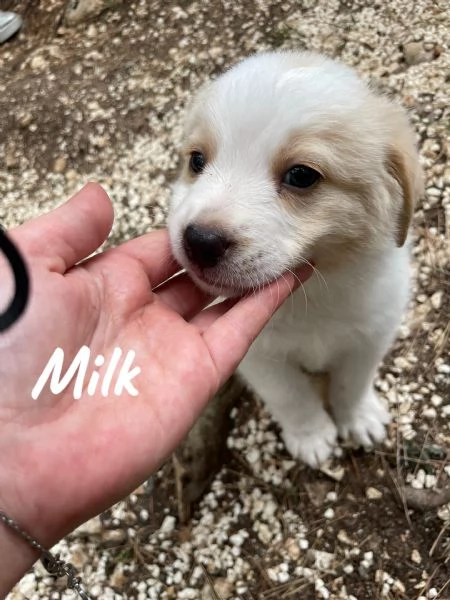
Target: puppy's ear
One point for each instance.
(403, 165)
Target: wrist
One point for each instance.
(17, 555)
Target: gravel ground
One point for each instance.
(103, 101)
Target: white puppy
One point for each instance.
(290, 158)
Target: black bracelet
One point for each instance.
(21, 282)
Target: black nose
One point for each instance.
(204, 247)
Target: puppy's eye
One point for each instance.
(301, 176)
(197, 162)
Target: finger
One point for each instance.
(71, 232)
(183, 296)
(230, 336)
(153, 251)
(204, 319)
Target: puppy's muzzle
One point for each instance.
(205, 247)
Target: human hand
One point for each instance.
(65, 460)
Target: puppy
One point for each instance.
(289, 158)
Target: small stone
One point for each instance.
(269, 510)
(168, 524)
(417, 484)
(187, 594)
(91, 31)
(321, 560)
(114, 537)
(60, 164)
(253, 456)
(446, 177)
(344, 537)
(430, 480)
(264, 533)
(321, 590)
(415, 557)
(398, 586)
(329, 513)
(401, 362)
(237, 539)
(429, 413)
(11, 160)
(92, 527)
(348, 569)
(434, 191)
(144, 515)
(38, 63)
(118, 578)
(24, 119)
(414, 53)
(436, 400)
(292, 548)
(283, 577)
(221, 588)
(373, 494)
(334, 473)
(71, 175)
(28, 585)
(436, 299)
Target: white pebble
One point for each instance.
(348, 569)
(187, 594)
(168, 524)
(303, 544)
(429, 413)
(373, 494)
(253, 456)
(430, 480)
(436, 400)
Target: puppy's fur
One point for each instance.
(252, 125)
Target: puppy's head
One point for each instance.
(289, 158)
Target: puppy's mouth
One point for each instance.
(219, 265)
(235, 285)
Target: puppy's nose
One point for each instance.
(204, 247)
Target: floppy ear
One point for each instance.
(404, 167)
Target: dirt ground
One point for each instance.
(103, 100)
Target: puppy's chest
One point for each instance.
(310, 342)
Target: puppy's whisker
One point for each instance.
(291, 293)
(303, 289)
(316, 272)
(320, 276)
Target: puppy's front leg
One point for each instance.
(308, 431)
(358, 412)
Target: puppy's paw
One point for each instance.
(363, 423)
(312, 443)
